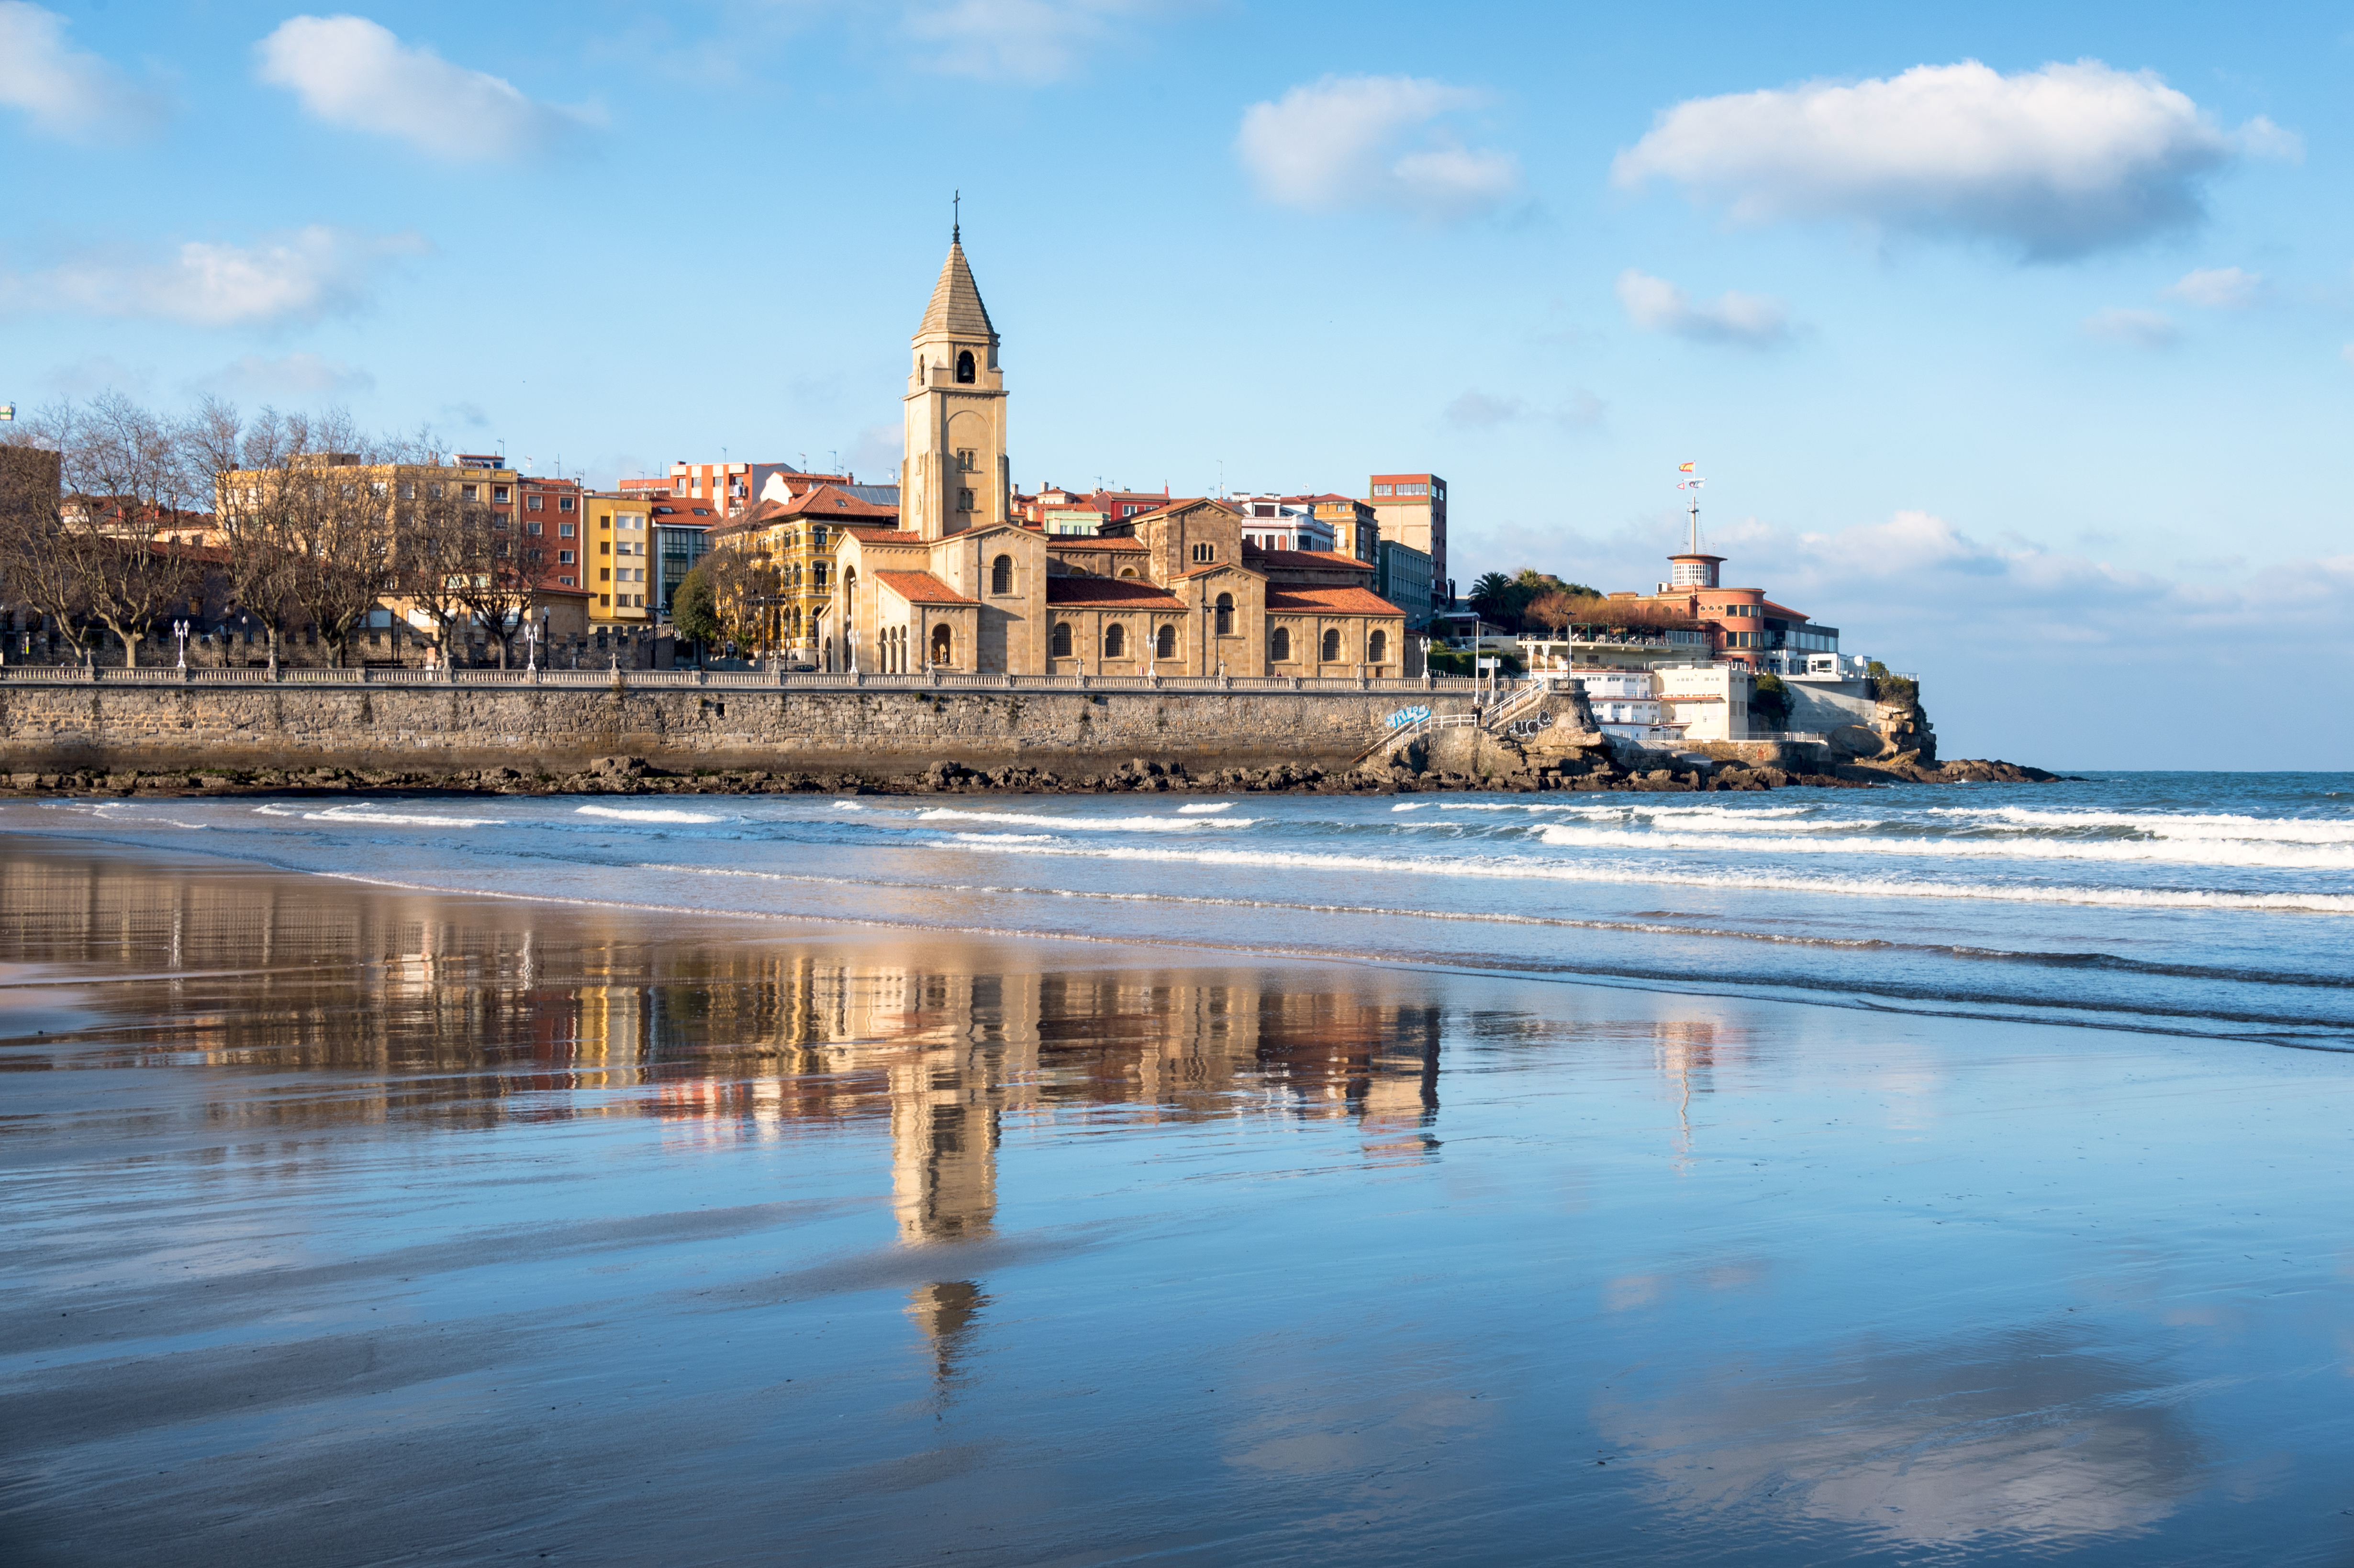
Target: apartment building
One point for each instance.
(1412, 509)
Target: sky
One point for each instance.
(2014, 341)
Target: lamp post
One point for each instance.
(180, 630)
(531, 629)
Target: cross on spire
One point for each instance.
(956, 218)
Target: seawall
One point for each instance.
(882, 727)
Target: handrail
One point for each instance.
(311, 675)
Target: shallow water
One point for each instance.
(806, 1220)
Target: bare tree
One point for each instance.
(123, 485)
(494, 588)
(41, 559)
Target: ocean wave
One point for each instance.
(385, 818)
(1086, 824)
(1527, 869)
(648, 814)
(2246, 854)
(2193, 825)
(1004, 839)
(1204, 810)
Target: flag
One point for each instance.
(1683, 468)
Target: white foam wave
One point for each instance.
(2188, 825)
(2239, 854)
(1411, 806)
(648, 814)
(1204, 810)
(1005, 838)
(388, 819)
(1087, 824)
(1518, 868)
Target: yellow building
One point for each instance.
(616, 553)
(789, 546)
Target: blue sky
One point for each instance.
(2014, 340)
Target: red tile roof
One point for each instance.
(884, 535)
(1329, 601)
(1110, 593)
(1300, 559)
(1093, 542)
(921, 587)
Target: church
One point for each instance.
(958, 581)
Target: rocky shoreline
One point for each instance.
(634, 776)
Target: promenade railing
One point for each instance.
(767, 680)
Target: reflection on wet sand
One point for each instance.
(876, 1230)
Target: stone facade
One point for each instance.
(554, 730)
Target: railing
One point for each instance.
(768, 680)
(1788, 734)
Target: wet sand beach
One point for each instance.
(348, 1224)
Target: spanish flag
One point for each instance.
(1683, 468)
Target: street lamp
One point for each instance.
(531, 629)
(180, 630)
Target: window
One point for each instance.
(433, 492)
(1226, 614)
(943, 645)
(530, 528)
(1378, 647)
(604, 547)
(1062, 641)
(564, 504)
(1000, 575)
(1115, 641)
(563, 557)
(1413, 490)
(606, 600)
(1383, 489)
(1279, 645)
(1332, 646)
(409, 491)
(531, 503)
(1205, 552)
(567, 581)
(968, 460)
(604, 574)
(964, 366)
(470, 493)
(1128, 571)
(964, 499)
(563, 530)
(1165, 645)
(500, 495)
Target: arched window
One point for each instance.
(1000, 575)
(1165, 645)
(1332, 646)
(1378, 647)
(943, 645)
(1226, 608)
(1128, 571)
(1115, 641)
(1062, 643)
(964, 365)
(1281, 644)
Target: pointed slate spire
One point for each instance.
(956, 306)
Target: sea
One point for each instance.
(1942, 1174)
(2196, 903)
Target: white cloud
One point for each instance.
(349, 72)
(65, 92)
(2139, 329)
(1028, 41)
(303, 373)
(2058, 162)
(1750, 321)
(293, 277)
(1476, 410)
(2219, 288)
(1482, 410)
(1374, 141)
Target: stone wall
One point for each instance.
(69, 724)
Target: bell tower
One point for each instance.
(955, 475)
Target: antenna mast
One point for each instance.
(1692, 482)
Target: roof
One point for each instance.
(1179, 503)
(1098, 542)
(881, 536)
(956, 306)
(921, 587)
(1298, 560)
(1785, 609)
(1329, 601)
(824, 501)
(1109, 593)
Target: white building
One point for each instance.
(1710, 701)
(1626, 703)
(1272, 524)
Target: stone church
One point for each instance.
(958, 581)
